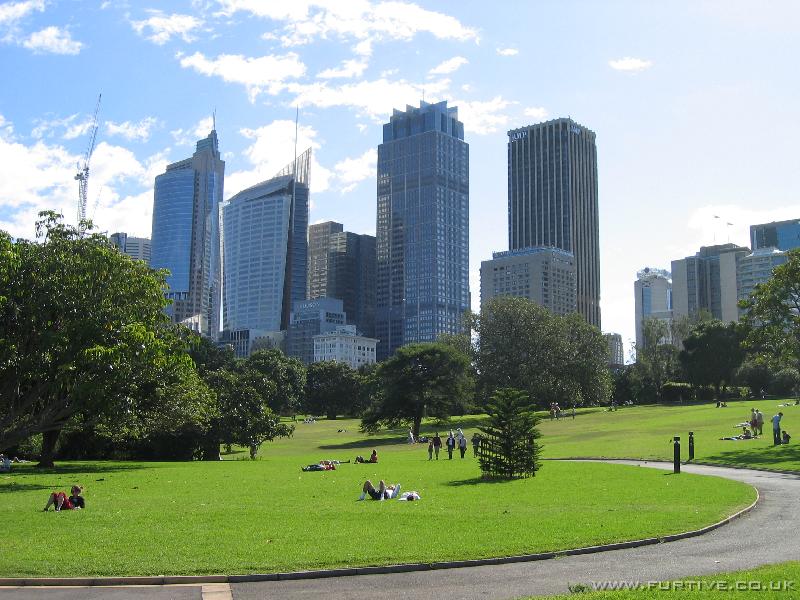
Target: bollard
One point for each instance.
(676, 457)
(691, 445)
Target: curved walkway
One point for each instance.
(752, 540)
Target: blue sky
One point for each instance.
(695, 106)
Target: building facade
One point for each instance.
(264, 253)
(616, 354)
(135, 247)
(783, 235)
(422, 241)
(545, 276)
(310, 318)
(342, 265)
(652, 300)
(185, 236)
(552, 200)
(344, 345)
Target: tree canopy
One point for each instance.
(332, 388)
(712, 353)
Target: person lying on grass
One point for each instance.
(745, 435)
(383, 492)
(373, 458)
(60, 500)
(324, 465)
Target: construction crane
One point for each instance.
(82, 176)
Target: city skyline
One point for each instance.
(671, 118)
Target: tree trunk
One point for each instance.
(331, 416)
(253, 451)
(415, 426)
(49, 440)
(211, 448)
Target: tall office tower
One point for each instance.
(186, 235)
(552, 199)
(741, 272)
(264, 252)
(310, 318)
(135, 247)
(783, 235)
(653, 300)
(342, 265)
(616, 354)
(707, 281)
(422, 244)
(545, 276)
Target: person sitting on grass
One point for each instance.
(373, 458)
(383, 492)
(785, 438)
(745, 435)
(60, 500)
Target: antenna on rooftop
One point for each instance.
(214, 119)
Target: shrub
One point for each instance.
(676, 391)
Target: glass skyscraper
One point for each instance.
(422, 245)
(783, 235)
(265, 253)
(552, 199)
(185, 238)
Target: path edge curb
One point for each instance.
(373, 570)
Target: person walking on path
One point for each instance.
(760, 422)
(430, 451)
(462, 445)
(437, 444)
(451, 445)
(476, 441)
(776, 429)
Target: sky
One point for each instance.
(695, 106)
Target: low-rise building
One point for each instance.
(346, 346)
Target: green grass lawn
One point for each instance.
(772, 581)
(241, 516)
(647, 431)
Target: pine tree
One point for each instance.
(508, 447)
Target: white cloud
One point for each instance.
(14, 11)
(72, 127)
(348, 70)
(265, 73)
(163, 27)
(272, 148)
(52, 40)
(507, 51)
(630, 64)
(482, 117)
(130, 130)
(188, 137)
(132, 214)
(352, 171)
(539, 113)
(448, 66)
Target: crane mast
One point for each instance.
(82, 177)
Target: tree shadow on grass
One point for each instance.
(770, 457)
(84, 468)
(366, 443)
(478, 481)
(27, 487)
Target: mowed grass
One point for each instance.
(771, 581)
(647, 432)
(241, 516)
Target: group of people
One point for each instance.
(754, 427)
(453, 441)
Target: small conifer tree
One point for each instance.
(508, 447)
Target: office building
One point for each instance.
(783, 235)
(310, 318)
(707, 281)
(264, 252)
(741, 272)
(652, 299)
(616, 355)
(422, 241)
(552, 200)
(341, 264)
(545, 276)
(185, 238)
(135, 247)
(344, 345)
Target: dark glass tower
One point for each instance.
(185, 237)
(422, 244)
(552, 199)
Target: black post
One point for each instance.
(676, 457)
(691, 445)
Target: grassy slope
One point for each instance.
(266, 515)
(646, 432)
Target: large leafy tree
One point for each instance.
(332, 388)
(712, 353)
(288, 375)
(657, 360)
(551, 358)
(82, 331)
(420, 380)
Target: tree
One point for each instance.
(332, 388)
(755, 374)
(423, 379)
(288, 375)
(82, 331)
(508, 446)
(657, 359)
(712, 353)
(552, 358)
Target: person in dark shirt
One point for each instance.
(59, 500)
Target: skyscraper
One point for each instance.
(341, 264)
(653, 300)
(422, 244)
(185, 236)
(783, 235)
(135, 247)
(552, 199)
(264, 253)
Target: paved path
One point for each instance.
(741, 544)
